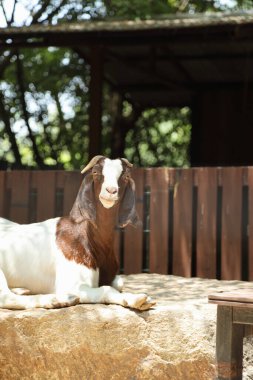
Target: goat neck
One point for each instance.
(106, 220)
(101, 241)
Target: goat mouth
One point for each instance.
(107, 203)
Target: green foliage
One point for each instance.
(57, 101)
(54, 85)
(161, 138)
(141, 9)
(145, 9)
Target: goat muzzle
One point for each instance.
(108, 201)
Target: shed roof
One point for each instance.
(157, 62)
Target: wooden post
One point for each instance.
(229, 345)
(95, 114)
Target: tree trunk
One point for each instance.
(11, 135)
(20, 80)
(121, 125)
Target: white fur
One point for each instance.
(30, 259)
(111, 171)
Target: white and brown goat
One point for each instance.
(69, 260)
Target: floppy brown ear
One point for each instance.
(84, 206)
(127, 211)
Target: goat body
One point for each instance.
(69, 260)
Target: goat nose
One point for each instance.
(111, 190)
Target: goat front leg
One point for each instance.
(118, 283)
(109, 295)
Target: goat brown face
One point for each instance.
(105, 174)
(109, 182)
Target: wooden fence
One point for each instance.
(196, 222)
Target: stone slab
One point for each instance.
(175, 340)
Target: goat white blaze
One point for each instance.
(112, 170)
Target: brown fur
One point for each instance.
(87, 235)
(81, 242)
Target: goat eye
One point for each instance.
(96, 175)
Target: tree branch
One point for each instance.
(4, 13)
(39, 13)
(121, 125)
(36, 16)
(13, 12)
(54, 11)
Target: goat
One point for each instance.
(69, 260)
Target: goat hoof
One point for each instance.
(139, 301)
(64, 301)
(147, 305)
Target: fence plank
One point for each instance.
(133, 237)
(182, 228)
(206, 180)
(19, 184)
(250, 223)
(45, 184)
(3, 198)
(231, 223)
(71, 186)
(159, 205)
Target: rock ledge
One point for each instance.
(175, 340)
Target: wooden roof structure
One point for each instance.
(153, 63)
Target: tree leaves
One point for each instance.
(44, 92)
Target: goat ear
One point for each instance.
(84, 206)
(127, 211)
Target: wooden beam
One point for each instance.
(229, 345)
(96, 92)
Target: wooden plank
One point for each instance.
(133, 241)
(60, 178)
(231, 239)
(232, 303)
(159, 206)
(182, 222)
(19, 185)
(240, 295)
(206, 180)
(67, 186)
(2, 194)
(45, 184)
(242, 315)
(71, 187)
(250, 223)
